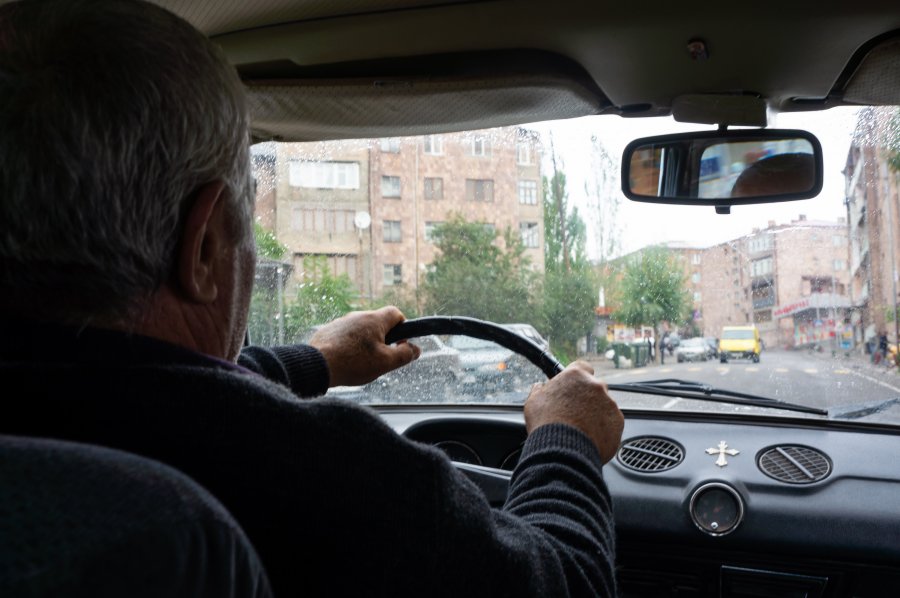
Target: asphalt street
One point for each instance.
(800, 377)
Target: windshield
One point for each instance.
(527, 226)
(737, 334)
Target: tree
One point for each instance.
(266, 302)
(267, 244)
(474, 276)
(322, 297)
(568, 289)
(651, 289)
(603, 195)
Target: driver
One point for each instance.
(126, 266)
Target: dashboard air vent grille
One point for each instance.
(650, 454)
(794, 464)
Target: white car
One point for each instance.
(692, 349)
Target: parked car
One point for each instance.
(488, 367)
(692, 349)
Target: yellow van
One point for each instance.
(739, 341)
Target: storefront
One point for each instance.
(819, 319)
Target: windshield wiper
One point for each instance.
(687, 389)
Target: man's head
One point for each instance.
(121, 127)
(775, 175)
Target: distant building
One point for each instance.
(790, 280)
(873, 213)
(369, 207)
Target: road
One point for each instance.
(795, 376)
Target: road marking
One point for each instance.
(751, 369)
(811, 371)
(842, 372)
(877, 381)
(695, 369)
(672, 403)
(782, 370)
(665, 370)
(722, 371)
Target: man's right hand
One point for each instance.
(575, 397)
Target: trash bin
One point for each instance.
(641, 352)
(622, 350)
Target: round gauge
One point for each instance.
(511, 460)
(457, 451)
(717, 509)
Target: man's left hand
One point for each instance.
(354, 346)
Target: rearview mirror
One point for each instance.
(723, 168)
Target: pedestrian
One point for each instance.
(882, 346)
(663, 347)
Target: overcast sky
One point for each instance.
(644, 224)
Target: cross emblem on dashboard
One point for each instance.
(722, 451)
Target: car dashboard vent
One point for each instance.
(650, 454)
(794, 464)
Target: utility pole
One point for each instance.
(890, 218)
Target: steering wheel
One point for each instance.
(482, 329)
(493, 482)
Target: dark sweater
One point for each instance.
(335, 502)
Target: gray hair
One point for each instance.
(112, 115)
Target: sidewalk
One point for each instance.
(857, 361)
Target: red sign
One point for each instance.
(791, 308)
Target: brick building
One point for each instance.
(370, 206)
(790, 281)
(873, 213)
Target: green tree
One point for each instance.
(568, 289)
(267, 244)
(475, 276)
(322, 297)
(652, 289)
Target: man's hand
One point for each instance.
(576, 398)
(355, 350)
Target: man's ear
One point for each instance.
(204, 236)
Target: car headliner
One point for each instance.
(601, 57)
(636, 56)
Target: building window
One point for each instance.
(837, 240)
(392, 275)
(761, 267)
(390, 186)
(697, 296)
(481, 146)
(523, 153)
(434, 145)
(390, 145)
(838, 265)
(337, 264)
(529, 232)
(392, 231)
(695, 277)
(695, 259)
(434, 188)
(324, 175)
(528, 192)
(480, 189)
(761, 243)
(322, 221)
(429, 230)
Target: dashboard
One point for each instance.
(714, 504)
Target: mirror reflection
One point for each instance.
(702, 169)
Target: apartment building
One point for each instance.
(873, 213)
(370, 206)
(790, 280)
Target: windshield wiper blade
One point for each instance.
(688, 389)
(860, 410)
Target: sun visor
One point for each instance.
(309, 110)
(877, 79)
